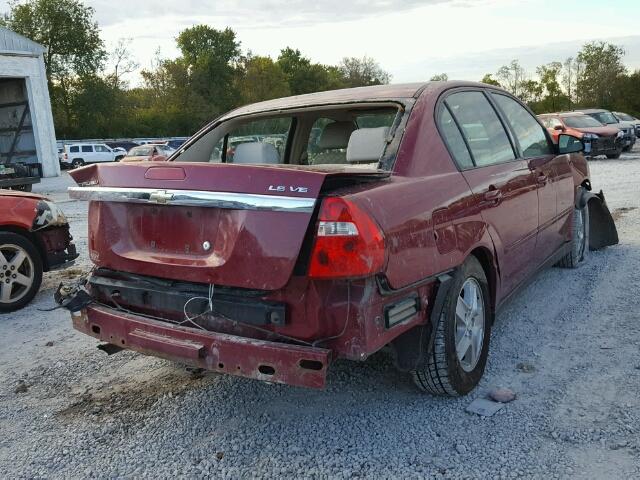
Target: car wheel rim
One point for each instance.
(469, 325)
(580, 233)
(17, 273)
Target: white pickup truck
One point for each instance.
(78, 154)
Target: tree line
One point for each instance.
(595, 77)
(91, 97)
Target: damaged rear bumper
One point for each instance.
(259, 359)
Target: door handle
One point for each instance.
(493, 195)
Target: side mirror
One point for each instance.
(569, 144)
(559, 127)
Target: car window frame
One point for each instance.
(82, 149)
(486, 92)
(519, 151)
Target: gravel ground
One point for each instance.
(567, 345)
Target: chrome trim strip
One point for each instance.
(194, 198)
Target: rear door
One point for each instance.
(534, 147)
(87, 154)
(505, 187)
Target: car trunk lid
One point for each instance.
(233, 225)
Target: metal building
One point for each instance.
(27, 133)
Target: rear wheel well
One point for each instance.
(32, 238)
(485, 257)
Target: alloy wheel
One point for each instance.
(469, 324)
(17, 273)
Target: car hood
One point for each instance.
(602, 131)
(141, 158)
(15, 193)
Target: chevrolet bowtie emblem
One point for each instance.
(161, 196)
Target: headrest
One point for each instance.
(367, 144)
(336, 135)
(256, 152)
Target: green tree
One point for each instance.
(530, 92)
(554, 98)
(211, 57)
(74, 47)
(570, 72)
(489, 80)
(601, 70)
(361, 72)
(512, 77)
(627, 94)
(440, 77)
(263, 79)
(302, 75)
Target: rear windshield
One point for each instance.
(140, 151)
(581, 121)
(339, 136)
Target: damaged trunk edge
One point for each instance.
(229, 316)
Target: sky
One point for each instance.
(413, 40)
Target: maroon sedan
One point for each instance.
(34, 237)
(409, 222)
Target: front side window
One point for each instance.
(87, 149)
(481, 127)
(453, 139)
(528, 132)
(101, 149)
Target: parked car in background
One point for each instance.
(599, 139)
(126, 145)
(408, 235)
(625, 117)
(79, 154)
(607, 118)
(34, 238)
(145, 153)
(176, 143)
(163, 149)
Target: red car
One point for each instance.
(145, 153)
(419, 211)
(34, 237)
(599, 139)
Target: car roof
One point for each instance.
(592, 110)
(376, 93)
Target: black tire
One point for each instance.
(119, 158)
(77, 163)
(613, 156)
(579, 239)
(10, 238)
(627, 148)
(443, 372)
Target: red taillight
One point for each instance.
(348, 243)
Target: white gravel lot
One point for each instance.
(568, 345)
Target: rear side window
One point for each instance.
(530, 135)
(453, 138)
(87, 148)
(269, 138)
(74, 149)
(481, 127)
